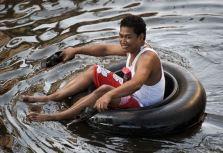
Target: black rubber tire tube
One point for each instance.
(182, 108)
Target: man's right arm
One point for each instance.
(94, 50)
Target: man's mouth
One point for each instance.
(125, 46)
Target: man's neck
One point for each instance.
(135, 53)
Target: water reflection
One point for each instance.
(188, 33)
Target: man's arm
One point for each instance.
(143, 71)
(94, 50)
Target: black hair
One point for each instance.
(135, 22)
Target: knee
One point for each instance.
(91, 70)
(89, 73)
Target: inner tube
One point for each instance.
(182, 108)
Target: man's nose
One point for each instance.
(123, 40)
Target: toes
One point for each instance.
(23, 98)
(37, 117)
(26, 98)
(33, 116)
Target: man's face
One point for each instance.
(129, 41)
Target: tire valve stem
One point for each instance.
(126, 74)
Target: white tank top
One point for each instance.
(147, 95)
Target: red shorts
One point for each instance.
(104, 76)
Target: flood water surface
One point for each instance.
(188, 33)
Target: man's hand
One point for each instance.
(102, 103)
(68, 53)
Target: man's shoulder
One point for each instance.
(148, 59)
(149, 54)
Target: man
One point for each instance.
(146, 86)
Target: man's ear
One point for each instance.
(141, 37)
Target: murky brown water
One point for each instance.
(189, 33)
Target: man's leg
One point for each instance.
(75, 109)
(76, 85)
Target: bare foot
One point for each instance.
(33, 99)
(39, 117)
(26, 98)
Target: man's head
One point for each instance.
(135, 22)
(132, 33)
